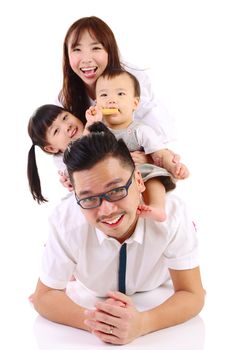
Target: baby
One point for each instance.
(117, 97)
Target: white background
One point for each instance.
(187, 46)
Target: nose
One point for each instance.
(86, 57)
(112, 101)
(66, 128)
(106, 208)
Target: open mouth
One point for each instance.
(89, 72)
(114, 222)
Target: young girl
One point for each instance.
(118, 95)
(51, 128)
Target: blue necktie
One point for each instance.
(122, 269)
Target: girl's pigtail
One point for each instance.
(33, 177)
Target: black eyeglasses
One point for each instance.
(111, 196)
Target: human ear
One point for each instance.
(139, 181)
(51, 149)
(136, 102)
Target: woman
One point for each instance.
(90, 48)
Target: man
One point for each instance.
(87, 237)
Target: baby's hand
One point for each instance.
(94, 114)
(65, 181)
(139, 157)
(180, 171)
(158, 160)
(176, 157)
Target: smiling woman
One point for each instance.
(90, 48)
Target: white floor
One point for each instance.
(32, 331)
(188, 46)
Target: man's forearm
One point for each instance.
(179, 308)
(56, 306)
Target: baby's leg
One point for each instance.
(154, 198)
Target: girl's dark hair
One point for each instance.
(73, 95)
(38, 124)
(99, 144)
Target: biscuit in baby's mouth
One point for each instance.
(108, 111)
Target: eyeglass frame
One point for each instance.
(104, 195)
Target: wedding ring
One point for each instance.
(111, 330)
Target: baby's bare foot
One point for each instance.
(157, 214)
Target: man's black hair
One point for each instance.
(98, 145)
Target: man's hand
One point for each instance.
(115, 320)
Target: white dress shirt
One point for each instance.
(74, 247)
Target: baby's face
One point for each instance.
(64, 129)
(117, 92)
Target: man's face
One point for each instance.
(115, 219)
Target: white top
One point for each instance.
(150, 109)
(75, 247)
(58, 161)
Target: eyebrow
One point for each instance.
(52, 126)
(107, 187)
(80, 44)
(117, 90)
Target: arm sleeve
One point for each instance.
(148, 139)
(58, 262)
(58, 161)
(182, 251)
(151, 111)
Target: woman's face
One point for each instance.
(88, 59)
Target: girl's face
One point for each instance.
(64, 129)
(88, 59)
